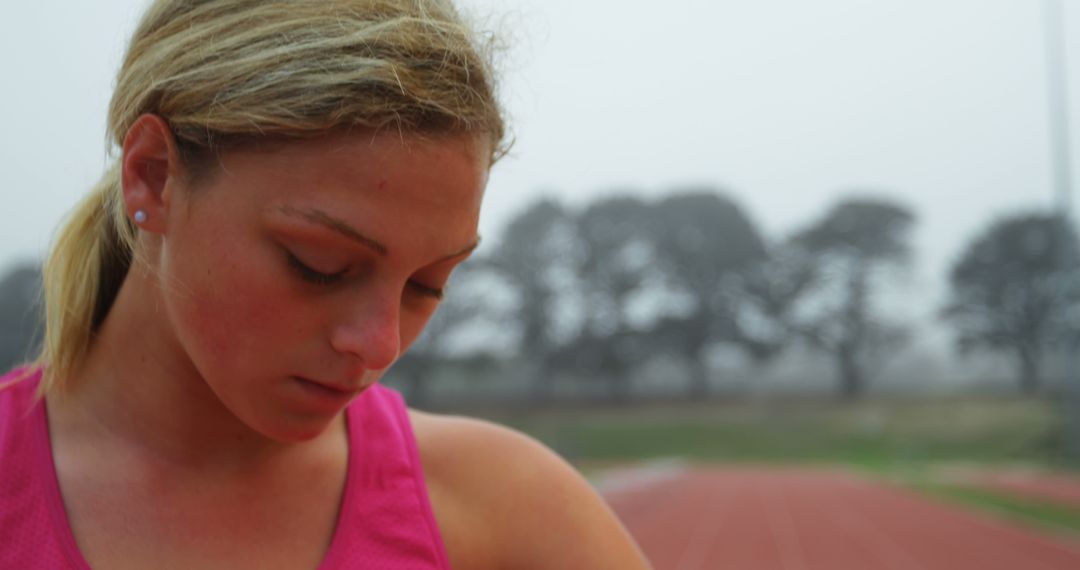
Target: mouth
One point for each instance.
(329, 394)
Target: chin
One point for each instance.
(296, 437)
(297, 431)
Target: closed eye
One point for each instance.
(432, 292)
(319, 278)
(310, 275)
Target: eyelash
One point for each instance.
(432, 292)
(318, 278)
(310, 275)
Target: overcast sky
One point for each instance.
(785, 104)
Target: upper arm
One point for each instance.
(504, 500)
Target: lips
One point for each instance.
(320, 385)
(324, 395)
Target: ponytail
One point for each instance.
(81, 277)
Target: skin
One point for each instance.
(206, 430)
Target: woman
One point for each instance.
(296, 182)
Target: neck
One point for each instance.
(139, 389)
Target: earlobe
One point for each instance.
(149, 160)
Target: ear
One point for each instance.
(150, 161)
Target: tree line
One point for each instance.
(592, 295)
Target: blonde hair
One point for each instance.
(225, 73)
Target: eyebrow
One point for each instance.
(340, 226)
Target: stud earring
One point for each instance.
(140, 216)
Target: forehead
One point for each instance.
(415, 192)
(444, 171)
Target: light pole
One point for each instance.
(1061, 157)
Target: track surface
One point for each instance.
(766, 519)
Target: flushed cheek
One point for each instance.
(235, 318)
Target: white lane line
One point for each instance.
(638, 478)
(706, 533)
(782, 527)
(891, 552)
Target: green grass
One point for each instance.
(880, 436)
(1043, 515)
(904, 441)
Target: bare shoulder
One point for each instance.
(504, 500)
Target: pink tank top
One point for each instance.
(385, 521)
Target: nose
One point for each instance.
(370, 332)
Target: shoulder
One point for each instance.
(503, 499)
(20, 407)
(18, 388)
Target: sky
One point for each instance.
(786, 105)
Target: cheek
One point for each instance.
(231, 308)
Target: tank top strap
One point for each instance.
(386, 519)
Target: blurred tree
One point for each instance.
(467, 300)
(20, 325)
(703, 240)
(618, 252)
(1016, 288)
(770, 292)
(538, 255)
(418, 367)
(848, 248)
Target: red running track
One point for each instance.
(775, 519)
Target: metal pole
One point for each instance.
(1058, 88)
